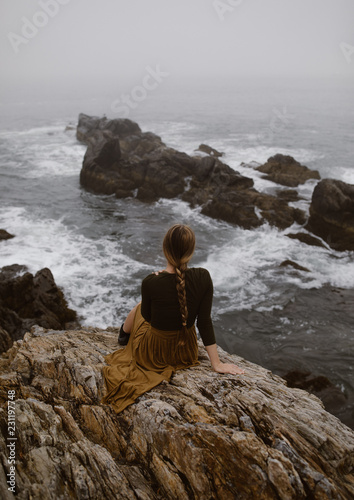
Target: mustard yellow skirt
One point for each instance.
(150, 357)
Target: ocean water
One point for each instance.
(99, 248)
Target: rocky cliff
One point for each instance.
(203, 436)
(27, 300)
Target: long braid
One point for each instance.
(181, 289)
(182, 299)
(178, 246)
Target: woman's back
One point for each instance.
(160, 304)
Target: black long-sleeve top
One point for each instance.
(160, 306)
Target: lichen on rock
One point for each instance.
(202, 436)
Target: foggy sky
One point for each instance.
(91, 42)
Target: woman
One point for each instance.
(159, 331)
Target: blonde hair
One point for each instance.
(178, 247)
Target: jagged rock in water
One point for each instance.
(332, 213)
(89, 125)
(287, 171)
(27, 300)
(295, 265)
(204, 148)
(330, 395)
(288, 194)
(202, 436)
(4, 235)
(122, 160)
(307, 239)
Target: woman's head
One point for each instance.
(178, 245)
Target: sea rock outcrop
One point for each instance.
(319, 385)
(332, 213)
(202, 436)
(4, 235)
(307, 239)
(122, 160)
(285, 170)
(88, 126)
(295, 265)
(27, 300)
(204, 148)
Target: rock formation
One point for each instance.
(287, 171)
(295, 265)
(202, 436)
(122, 160)
(27, 300)
(4, 235)
(332, 213)
(330, 395)
(204, 148)
(307, 238)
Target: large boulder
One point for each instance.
(27, 300)
(332, 213)
(89, 125)
(203, 435)
(285, 170)
(122, 160)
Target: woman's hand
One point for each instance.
(228, 368)
(218, 365)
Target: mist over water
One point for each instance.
(99, 248)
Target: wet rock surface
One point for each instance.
(201, 436)
(331, 396)
(332, 213)
(295, 265)
(27, 300)
(307, 239)
(285, 170)
(204, 148)
(4, 235)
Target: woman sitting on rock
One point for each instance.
(159, 333)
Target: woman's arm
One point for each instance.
(218, 365)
